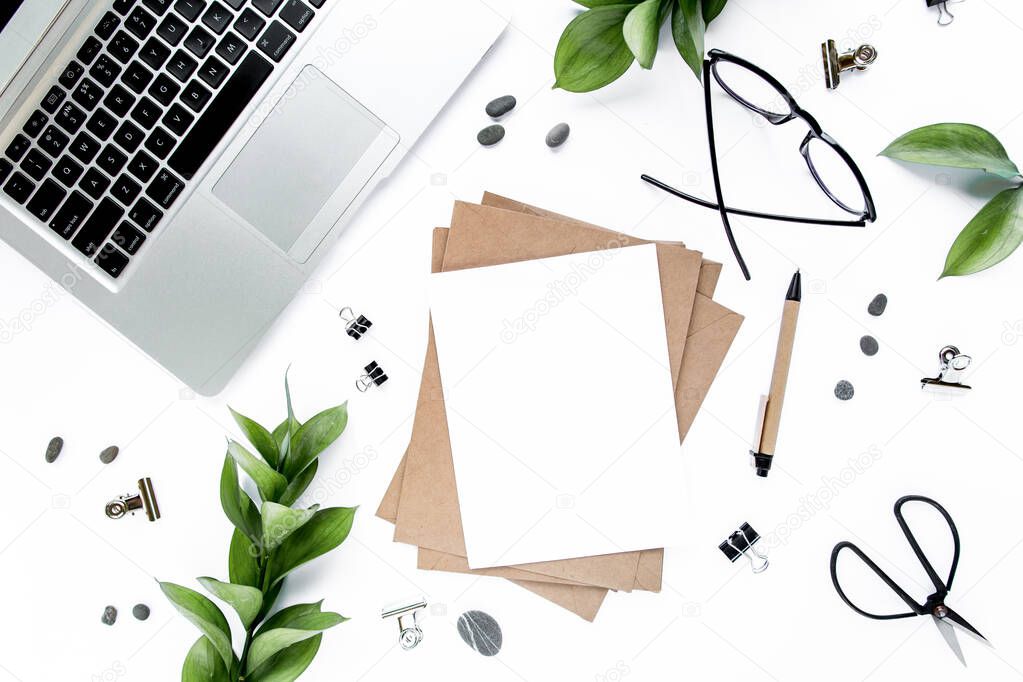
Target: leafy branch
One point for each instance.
(599, 45)
(267, 543)
(997, 229)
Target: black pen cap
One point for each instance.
(795, 292)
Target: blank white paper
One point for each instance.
(560, 406)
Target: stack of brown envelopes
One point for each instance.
(422, 500)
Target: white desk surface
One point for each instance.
(62, 561)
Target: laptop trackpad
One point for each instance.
(306, 162)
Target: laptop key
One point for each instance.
(125, 190)
(70, 117)
(5, 169)
(112, 159)
(67, 171)
(19, 187)
(128, 238)
(89, 49)
(181, 66)
(137, 77)
(71, 215)
(213, 72)
(53, 141)
(146, 113)
(18, 146)
(276, 41)
(35, 123)
(158, 6)
(123, 47)
(267, 7)
(217, 18)
(165, 188)
(111, 261)
(46, 200)
(145, 215)
(195, 96)
(220, 115)
(143, 166)
(129, 136)
(316, 3)
(107, 25)
(94, 183)
(36, 164)
(105, 70)
(119, 100)
(53, 99)
(140, 22)
(231, 48)
(178, 119)
(235, 4)
(101, 124)
(297, 14)
(70, 75)
(172, 29)
(160, 143)
(154, 53)
(199, 42)
(98, 227)
(85, 148)
(189, 9)
(164, 89)
(87, 94)
(122, 6)
(249, 24)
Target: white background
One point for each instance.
(62, 561)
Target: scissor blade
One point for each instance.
(949, 633)
(961, 622)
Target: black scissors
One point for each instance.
(943, 616)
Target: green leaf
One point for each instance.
(290, 614)
(236, 503)
(242, 568)
(246, 600)
(203, 614)
(711, 9)
(270, 483)
(592, 51)
(314, 436)
(270, 642)
(326, 530)
(279, 522)
(990, 237)
(299, 483)
(287, 665)
(959, 145)
(269, 598)
(260, 438)
(203, 664)
(641, 28)
(603, 3)
(687, 28)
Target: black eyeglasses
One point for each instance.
(831, 166)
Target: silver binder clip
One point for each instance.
(953, 365)
(410, 634)
(945, 17)
(374, 376)
(129, 504)
(355, 325)
(836, 62)
(741, 543)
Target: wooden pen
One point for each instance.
(779, 378)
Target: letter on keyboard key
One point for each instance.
(45, 201)
(98, 227)
(232, 99)
(71, 215)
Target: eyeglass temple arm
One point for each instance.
(918, 609)
(743, 212)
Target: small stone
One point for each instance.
(109, 615)
(557, 136)
(490, 135)
(480, 631)
(844, 390)
(140, 611)
(500, 106)
(53, 449)
(868, 344)
(109, 455)
(877, 306)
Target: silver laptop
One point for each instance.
(181, 166)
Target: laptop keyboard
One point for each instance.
(131, 119)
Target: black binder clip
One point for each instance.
(410, 634)
(953, 365)
(374, 376)
(129, 504)
(944, 16)
(355, 325)
(741, 543)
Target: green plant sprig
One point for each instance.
(267, 543)
(997, 229)
(599, 45)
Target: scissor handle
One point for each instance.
(918, 609)
(941, 587)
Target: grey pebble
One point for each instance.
(844, 390)
(53, 449)
(490, 135)
(140, 611)
(480, 631)
(109, 615)
(557, 136)
(109, 455)
(500, 106)
(877, 306)
(868, 344)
